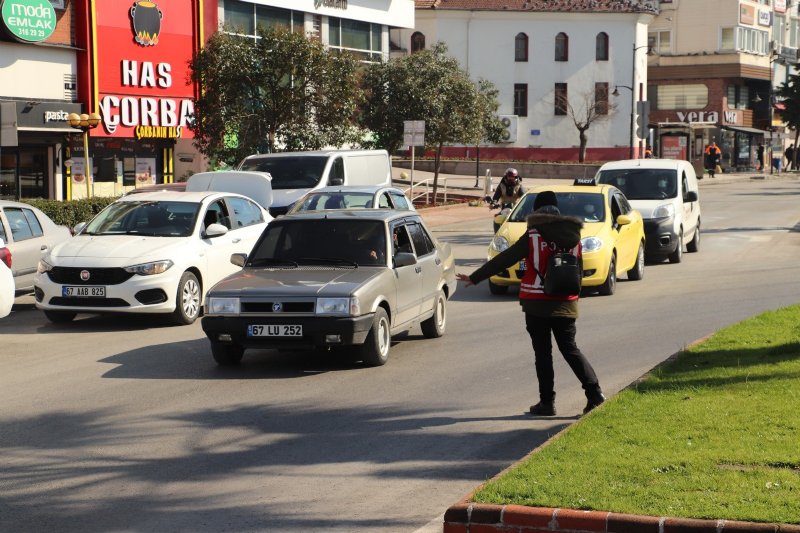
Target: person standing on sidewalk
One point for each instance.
(546, 315)
(712, 154)
(789, 153)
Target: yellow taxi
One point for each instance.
(612, 234)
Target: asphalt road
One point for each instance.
(122, 424)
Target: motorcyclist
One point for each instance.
(509, 190)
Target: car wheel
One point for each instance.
(375, 350)
(637, 272)
(677, 255)
(187, 300)
(433, 327)
(60, 317)
(694, 245)
(610, 285)
(226, 354)
(497, 289)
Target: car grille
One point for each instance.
(267, 307)
(89, 302)
(97, 276)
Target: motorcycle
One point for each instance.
(502, 214)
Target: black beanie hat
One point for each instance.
(545, 198)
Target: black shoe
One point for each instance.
(543, 409)
(594, 402)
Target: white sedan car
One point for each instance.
(6, 281)
(353, 197)
(149, 253)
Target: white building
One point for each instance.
(535, 50)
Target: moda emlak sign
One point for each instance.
(141, 84)
(29, 20)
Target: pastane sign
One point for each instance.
(143, 48)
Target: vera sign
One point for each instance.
(143, 48)
(29, 20)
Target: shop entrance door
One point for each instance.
(8, 175)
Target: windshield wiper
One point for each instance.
(271, 261)
(338, 260)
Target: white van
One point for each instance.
(665, 192)
(296, 173)
(254, 185)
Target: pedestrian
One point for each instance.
(648, 153)
(760, 156)
(789, 153)
(712, 154)
(510, 189)
(546, 315)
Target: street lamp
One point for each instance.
(85, 122)
(633, 92)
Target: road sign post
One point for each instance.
(413, 135)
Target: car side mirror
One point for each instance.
(690, 196)
(623, 220)
(500, 218)
(215, 230)
(404, 259)
(78, 228)
(239, 259)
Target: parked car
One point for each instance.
(612, 237)
(366, 197)
(350, 278)
(665, 192)
(154, 252)
(28, 233)
(6, 281)
(296, 173)
(163, 187)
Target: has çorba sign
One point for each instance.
(29, 20)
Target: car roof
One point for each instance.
(643, 163)
(12, 203)
(369, 189)
(598, 189)
(324, 153)
(174, 196)
(350, 214)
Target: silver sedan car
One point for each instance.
(353, 197)
(345, 279)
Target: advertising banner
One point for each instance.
(673, 147)
(142, 52)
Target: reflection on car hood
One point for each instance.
(115, 247)
(512, 231)
(286, 197)
(296, 282)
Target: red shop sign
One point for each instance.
(142, 49)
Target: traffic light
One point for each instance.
(642, 119)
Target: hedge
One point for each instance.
(69, 213)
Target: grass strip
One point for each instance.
(713, 433)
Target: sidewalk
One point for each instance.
(464, 186)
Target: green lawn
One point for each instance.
(714, 433)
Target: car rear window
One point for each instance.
(289, 172)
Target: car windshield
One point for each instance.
(643, 183)
(157, 219)
(588, 206)
(334, 200)
(289, 172)
(315, 242)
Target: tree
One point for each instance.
(428, 85)
(789, 92)
(590, 109)
(278, 91)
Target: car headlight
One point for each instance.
(43, 266)
(149, 269)
(499, 244)
(222, 306)
(591, 244)
(338, 306)
(664, 211)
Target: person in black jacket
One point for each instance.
(546, 315)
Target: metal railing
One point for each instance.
(427, 193)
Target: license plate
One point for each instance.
(83, 292)
(274, 331)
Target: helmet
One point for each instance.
(511, 173)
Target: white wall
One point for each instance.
(483, 42)
(35, 72)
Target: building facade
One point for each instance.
(713, 78)
(550, 61)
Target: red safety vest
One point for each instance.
(539, 250)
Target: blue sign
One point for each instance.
(536, 132)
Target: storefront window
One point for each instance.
(246, 18)
(239, 17)
(8, 176)
(694, 96)
(33, 173)
(361, 39)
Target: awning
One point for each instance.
(744, 129)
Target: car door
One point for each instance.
(216, 255)
(26, 246)
(430, 264)
(690, 209)
(628, 239)
(408, 278)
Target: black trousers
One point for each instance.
(563, 329)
